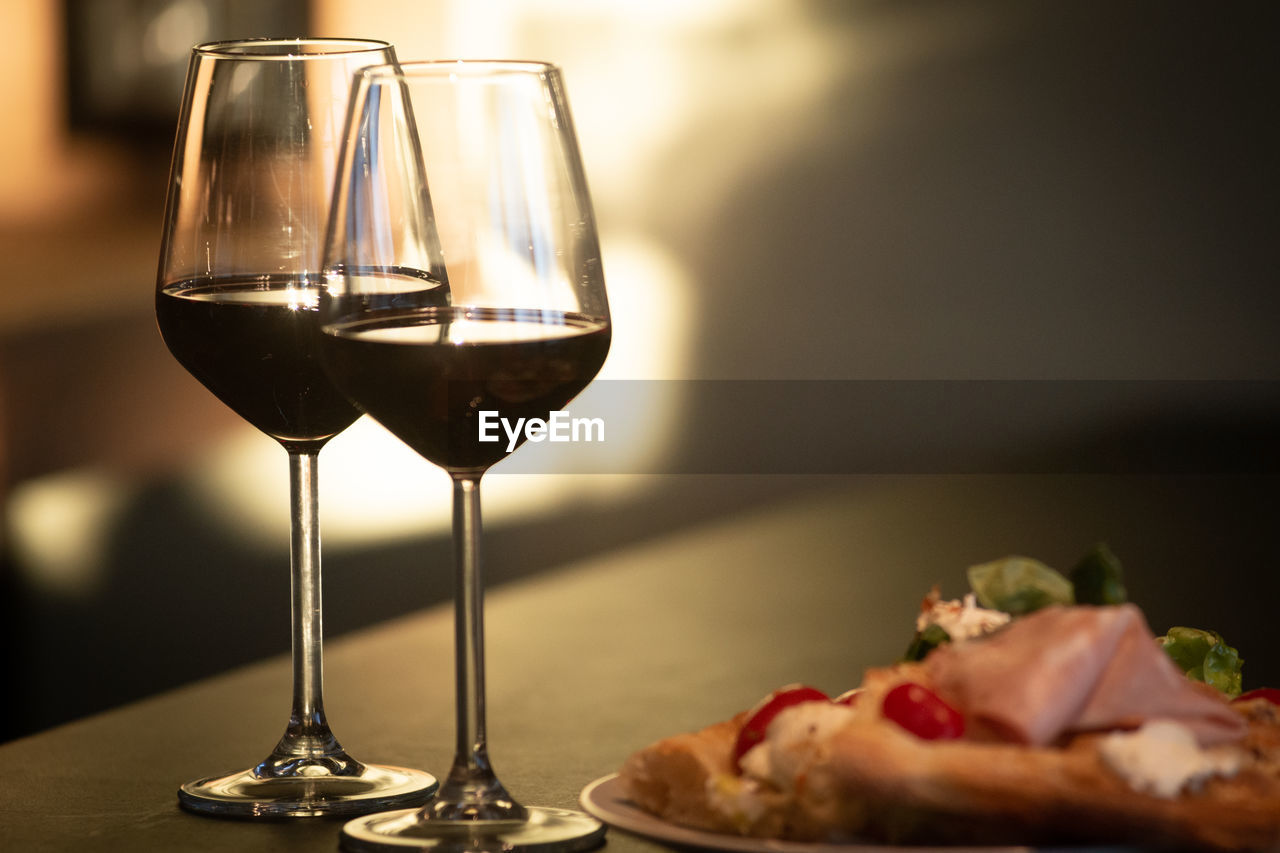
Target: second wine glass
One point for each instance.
(464, 282)
(237, 303)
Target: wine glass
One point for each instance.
(514, 326)
(237, 304)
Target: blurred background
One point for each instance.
(1024, 245)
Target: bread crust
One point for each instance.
(873, 780)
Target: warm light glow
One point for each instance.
(60, 527)
(29, 146)
(646, 80)
(170, 35)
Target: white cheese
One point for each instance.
(795, 737)
(736, 797)
(961, 619)
(1162, 757)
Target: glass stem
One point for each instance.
(307, 741)
(472, 790)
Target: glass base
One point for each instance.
(546, 831)
(246, 794)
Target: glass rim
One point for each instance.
(251, 48)
(459, 67)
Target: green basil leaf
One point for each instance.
(1098, 578)
(1187, 647)
(1205, 656)
(1222, 668)
(1019, 585)
(926, 641)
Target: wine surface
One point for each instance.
(255, 343)
(427, 375)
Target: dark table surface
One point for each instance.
(595, 659)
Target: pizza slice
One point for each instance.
(1068, 725)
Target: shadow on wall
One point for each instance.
(991, 190)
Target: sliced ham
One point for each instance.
(1065, 670)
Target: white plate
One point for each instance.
(605, 799)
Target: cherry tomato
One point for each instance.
(753, 730)
(1271, 694)
(849, 697)
(919, 710)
